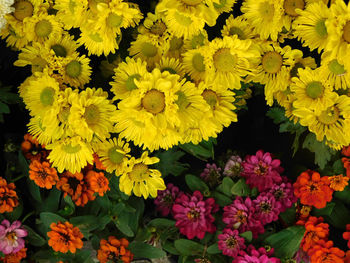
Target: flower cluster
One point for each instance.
(114, 250)
(8, 196)
(11, 238)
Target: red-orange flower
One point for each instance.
(324, 252)
(8, 196)
(346, 163)
(64, 237)
(315, 230)
(312, 189)
(347, 257)
(346, 151)
(303, 214)
(98, 162)
(114, 250)
(31, 148)
(346, 234)
(43, 174)
(97, 182)
(338, 182)
(15, 257)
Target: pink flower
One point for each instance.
(193, 215)
(284, 194)
(233, 166)
(11, 236)
(211, 174)
(262, 171)
(266, 208)
(166, 198)
(230, 242)
(256, 256)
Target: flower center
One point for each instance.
(182, 19)
(43, 28)
(261, 169)
(313, 188)
(266, 10)
(138, 171)
(193, 214)
(241, 216)
(95, 37)
(23, 9)
(42, 174)
(321, 28)
(237, 31)
(73, 184)
(60, 51)
(154, 101)
(47, 96)
(69, 148)
(290, 6)
(197, 40)
(210, 97)
(130, 83)
(113, 20)
(175, 43)
(158, 28)
(182, 100)
(198, 62)
(168, 199)
(346, 32)
(114, 155)
(224, 61)
(279, 194)
(314, 89)
(265, 207)
(191, 2)
(73, 69)
(148, 50)
(231, 242)
(272, 62)
(92, 114)
(11, 236)
(329, 116)
(336, 68)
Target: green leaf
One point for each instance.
(7, 96)
(338, 167)
(144, 250)
(169, 163)
(277, 114)
(322, 152)
(122, 223)
(221, 199)
(248, 236)
(169, 247)
(47, 218)
(335, 213)
(343, 195)
(326, 211)
(195, 183)
(240, 188)
(34, 238)
(16, 213)
(288, 216)
(4, 108)
(214, 249)
(286, 242)
(50, 204)
(202, 151)
(88, 223)
(135, 207)
(188, 247)
(226, 186)
(161, 222)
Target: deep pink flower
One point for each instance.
(230, 242)
(256, 256)
(233, 167)
(11, 236)
(166, 198)
(266, 208)
(193, 215)
(284, 194)
(211, 174)
(261, 170)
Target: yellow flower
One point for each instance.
(194, 65)
(62, 46)
(173, 47)
(154, 26)
(238, 26)
(36, 128)
(196, 41)
(140, 179)
(172, 65)
(75, 70)
(71, 12)
(223, 6)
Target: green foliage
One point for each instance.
(226, 186)
(169, 163)
(188, 247)
(214, 249)
(195, 183)
(240, 188)
(335, 213)
(144, 250)
(34, 238)
(248, 236)
(203, 151)
(161, 222)
(6, 97)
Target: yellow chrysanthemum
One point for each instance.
(71, 154)
(38, 130)
(196, 41)
(140, 179)
(265, 16)
(91, 116)
(302, 63)
(154, 26)
(62, 46)
(238, 26)
(310, 26)
(223, 6)
(71, 12)
(289, 108)
(228, 61)
(75, 70)
(114, 155)
(172, 65)
(194, 65)
(124, 77)
(173, 47)
(333, 123)
(312, 90)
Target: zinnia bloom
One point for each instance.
(256, 256)
(114, 250)
(8, 196)
(211, 174)
(15, 257)
(97, 182)
(193, 215)
(64, 237)
(266, 208)
(324, 252)
(262, 171)
(346, 151)
(43, 174)
(233, 167)
(166, 198)
(346, 234)
(312, 189)
(315, 230)
(31, 148)
(230, 242)
(284, 194)
(338, 182)
(11, 237)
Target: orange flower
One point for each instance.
(346, 151)
(75, 186)
(324, 252)
(315, 230)
(43, 174)
(8, 196)
(31, 148)
(346, 234)
(346, 163)
(64, 237)
(312, 189)
(303, 214)
(114, 250)
(347, 257)
(98, 162)
(15, 257)
(97, 182)
(338, 182)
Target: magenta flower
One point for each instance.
(284, 194)
(262, 171)
(166, 198)
(256, 256)
(266, 208)
(230, 242)
(193, 215)
(233, 167)
(211, 174)
(11, 237)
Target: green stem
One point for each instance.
(27, 215)
(19, 177)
